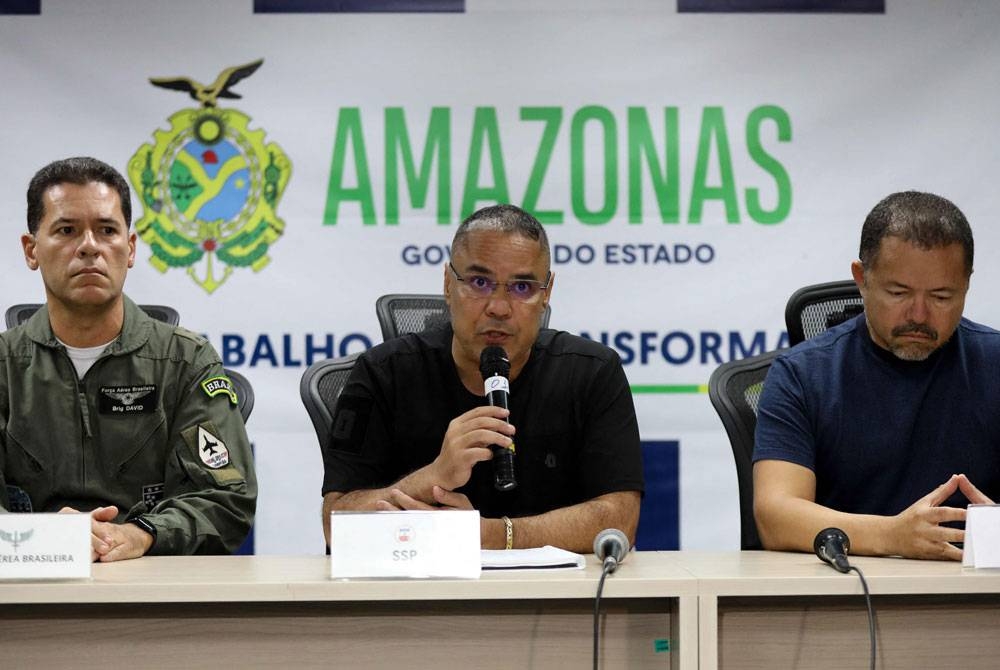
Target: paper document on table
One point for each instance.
(528, 559)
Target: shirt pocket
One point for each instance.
(133, 447)
(29, 461)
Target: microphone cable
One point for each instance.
(611, 547)
(832, 547)
(605, 571)
(871, 617)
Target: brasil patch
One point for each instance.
(214, 386)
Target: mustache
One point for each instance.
(916, 328)
(497, 327)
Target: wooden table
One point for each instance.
(710, 609)
(267, 611)
(786, 610)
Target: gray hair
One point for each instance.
(505, 219)
(925, 220)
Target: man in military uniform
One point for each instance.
(106, 410)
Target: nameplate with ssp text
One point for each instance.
(415, 544)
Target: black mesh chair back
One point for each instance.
(18, 314)
(734, 389)
(814, 309)
(320, 389)
(162, 313)
(244, 393)
(401, 313)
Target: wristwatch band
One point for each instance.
(145, 525)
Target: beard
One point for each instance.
(914, 351)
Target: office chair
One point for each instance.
(244, 392)
(320, 389)
(814, 309)
(18, 314)
(401, 313)
(734, 389)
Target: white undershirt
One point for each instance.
(84, 357)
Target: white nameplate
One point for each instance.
(982, 536)
(405, 544)
(44, 546)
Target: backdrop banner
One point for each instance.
(693, 168)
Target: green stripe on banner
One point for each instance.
(669, 388)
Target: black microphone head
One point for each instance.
(611, 545)
(828, 534)
(493, 361)
(831, 546)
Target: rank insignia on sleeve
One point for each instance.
(152, 494)
(212, 450)
(214, 386)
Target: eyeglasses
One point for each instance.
(521, 290)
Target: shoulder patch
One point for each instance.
(350, 424)
(212, 450)
(214, 386)
(210, 456)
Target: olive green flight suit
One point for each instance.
(153, 428)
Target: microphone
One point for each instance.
(495, 368)
(832, 545)
(611, 547)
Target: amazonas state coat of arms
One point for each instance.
(209, 185)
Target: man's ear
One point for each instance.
(858, 272)
(28, 244)
(131, 250)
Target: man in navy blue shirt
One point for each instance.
(887, 426)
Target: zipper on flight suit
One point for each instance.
(81, 397)
(81, 394)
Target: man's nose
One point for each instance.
(88, 243)
(917, 311)
(498, 305)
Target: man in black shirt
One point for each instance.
(413, 430)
